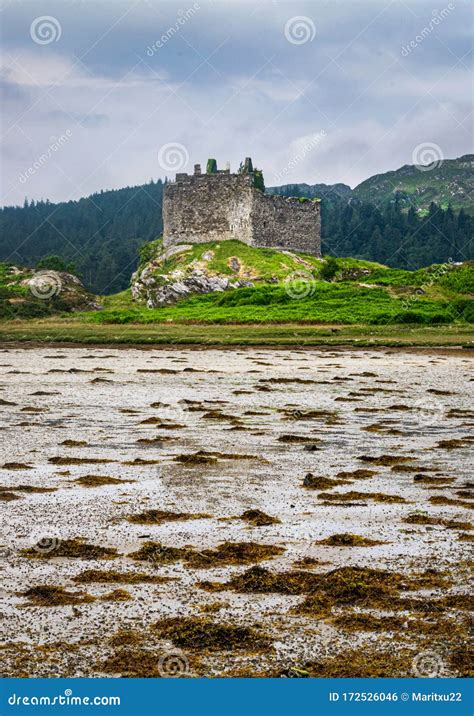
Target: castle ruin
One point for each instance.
(220, 206)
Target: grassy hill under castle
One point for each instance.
(233, 283)
(286, 287)
(288, 299)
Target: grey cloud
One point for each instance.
(228, 83)
(86, 120)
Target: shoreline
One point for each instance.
(416, 349)
(202, 336)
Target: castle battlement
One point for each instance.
(217, 176)
(218, 205)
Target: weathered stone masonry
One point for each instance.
(220, 206)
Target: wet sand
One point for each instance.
(289, 412)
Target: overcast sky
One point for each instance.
(96, 94)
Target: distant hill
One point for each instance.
(450, 184)
(101, 234)
(330, 192)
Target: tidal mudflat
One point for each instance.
(235, 512)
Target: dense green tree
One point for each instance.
(329, 270)
(101, 234)
(56, 263)
(390, 235)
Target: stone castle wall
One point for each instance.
(286, 223)
(224, 206)
(209, 207)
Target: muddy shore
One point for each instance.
(157, 515)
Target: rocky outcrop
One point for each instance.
(353, 273)
(26, 292)
(165, 289)
(59, 287)
(153, 285)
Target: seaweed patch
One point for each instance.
(53, 596)
(349, 540)
(102, 576)
(223, 554)
(158, 517)
(75, 548)
(257, 518)
(200, 633)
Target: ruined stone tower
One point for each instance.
(219, 206)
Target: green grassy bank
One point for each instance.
(76, 331)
